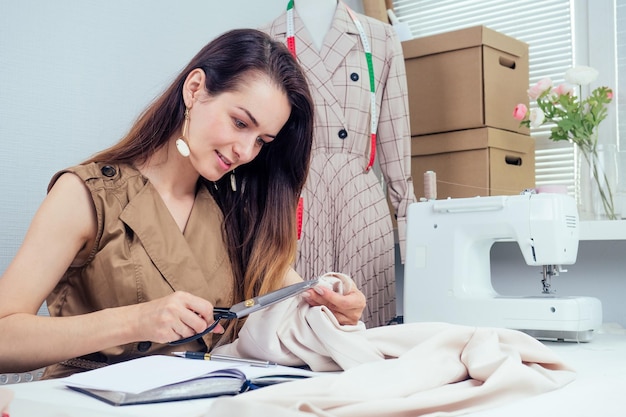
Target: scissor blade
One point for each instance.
(258, 303)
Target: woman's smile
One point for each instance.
(225, 164)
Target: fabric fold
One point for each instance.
(414, 369)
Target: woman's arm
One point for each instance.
(64, 224)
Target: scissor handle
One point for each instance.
(219, 313)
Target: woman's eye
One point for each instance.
(240, 124)
(260, 141)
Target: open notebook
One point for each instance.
(161, 378)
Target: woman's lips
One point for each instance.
(224, 162)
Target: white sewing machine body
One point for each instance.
(448, 271)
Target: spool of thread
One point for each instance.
(430, 185)
(402, 28)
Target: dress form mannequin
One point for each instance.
(317, 16)
(346, 221)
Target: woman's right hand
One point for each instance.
(174, 317)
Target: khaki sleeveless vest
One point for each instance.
(140, 255)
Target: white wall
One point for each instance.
(74, 74)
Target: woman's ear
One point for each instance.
(194, 84)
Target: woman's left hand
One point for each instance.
(347, 308)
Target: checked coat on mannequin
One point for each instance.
(347, 225)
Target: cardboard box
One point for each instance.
(465, 79)
(475, 162)
(376, 9)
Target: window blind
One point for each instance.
(546, 26)
(620, 13)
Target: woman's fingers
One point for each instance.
(174, 317)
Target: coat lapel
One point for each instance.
(152, 223)
(342, 37)
(320, 66)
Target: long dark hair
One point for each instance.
(260, 218)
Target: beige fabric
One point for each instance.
(413, 369)
(336, 281)
(141, 255)
(6, 396)
(347, 226)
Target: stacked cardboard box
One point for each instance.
(463, 86)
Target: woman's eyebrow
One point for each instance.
(249, 115)
(254, 121)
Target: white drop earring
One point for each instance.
(181, 142)
(233, 181)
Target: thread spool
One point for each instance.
(430, 185)
(402, 28)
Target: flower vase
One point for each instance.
(596, 182)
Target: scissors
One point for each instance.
(251, 305)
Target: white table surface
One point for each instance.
(598, 391)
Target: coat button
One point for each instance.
(342, 134)
(144, 346)
(354, 76)
(108, 171)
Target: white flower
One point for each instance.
(581, 75)
(536, 117)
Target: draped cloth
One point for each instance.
(413, 369)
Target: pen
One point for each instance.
(225, 358)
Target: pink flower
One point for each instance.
(609, 94)
(563, 90)
(520, 111)
(536, 90)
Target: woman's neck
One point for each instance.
(170, 173)
(174, 179)
(317, 16)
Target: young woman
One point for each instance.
(194, 208)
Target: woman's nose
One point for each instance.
(245, 148)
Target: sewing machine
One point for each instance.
(448, 272)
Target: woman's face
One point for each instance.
(229, 129)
